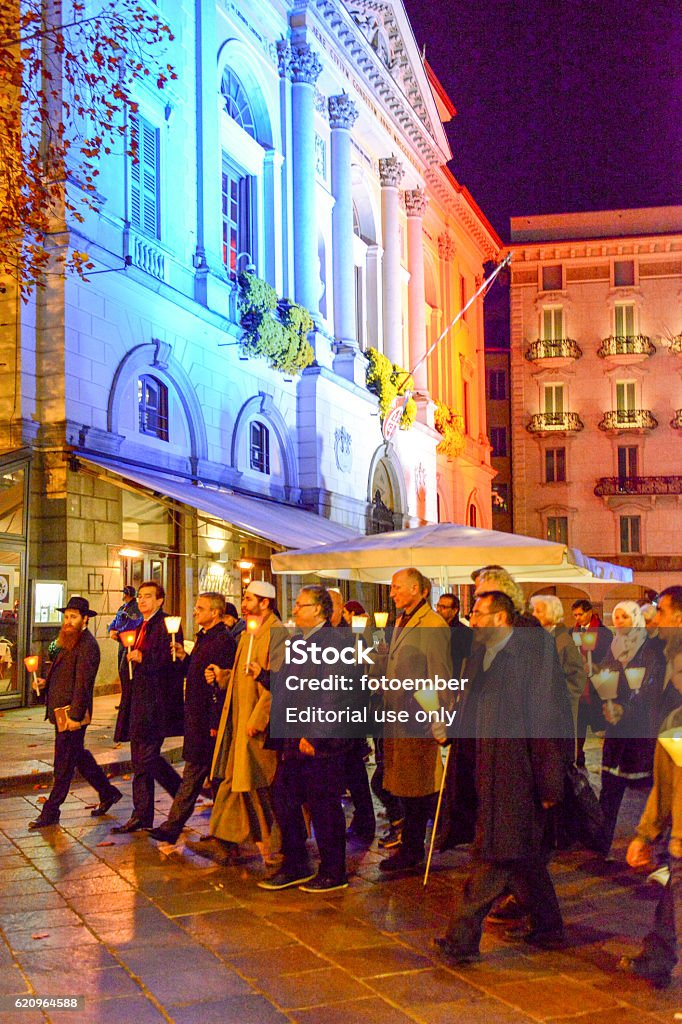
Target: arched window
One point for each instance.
(259, 447)
(236, 102)
(473, 515)
(152, 404)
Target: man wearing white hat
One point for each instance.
(241, 762)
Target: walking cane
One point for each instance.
(436, 816)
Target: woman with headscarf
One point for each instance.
(632, 718)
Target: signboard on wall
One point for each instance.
(48, 597)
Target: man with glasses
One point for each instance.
(514, 730)
(311, 771)
(461, 636)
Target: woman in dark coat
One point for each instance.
(633, 718)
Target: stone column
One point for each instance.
(415, 205)
(391, 173)
(305, 70)
(446, 357)
(342, 116)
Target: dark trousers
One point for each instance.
(150, 767)
(193, 778)
(393, 805)
(527, 879)
(70, 754)
(659, 948)
(358, 786)
(418, 810)
(610, 798)
(316, 782)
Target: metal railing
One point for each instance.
(555, 348)
(626, 345)
(628, 419)
(608, 485)
(543, 422)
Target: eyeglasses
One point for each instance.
(297, 605)
(480, 615)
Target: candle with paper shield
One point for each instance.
(589, 643)
(606, 684)
(128, 639)
(380, 620)
(173, 625)
(635, 677)
(359, 623)
(251, 627)
(31, 661)
(671, 741)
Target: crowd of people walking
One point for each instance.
(527, 700)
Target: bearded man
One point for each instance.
(70, 684)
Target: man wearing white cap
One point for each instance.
(245, 768)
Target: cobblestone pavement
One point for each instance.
(151, 933)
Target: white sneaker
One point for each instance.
(661, 876)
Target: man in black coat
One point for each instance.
(514, 741)
(151, 707)
(214, 646)
(311, 770)
(70, 683)
(461, 636)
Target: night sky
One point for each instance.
(561, 106)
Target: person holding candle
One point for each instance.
(242, 763)
(659, 953)
(363, 823)
(311, 771)
(633, 717)
(71, 681)
(590, 714)
(215, 647)
(151, 707)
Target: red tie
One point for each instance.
(139, 639)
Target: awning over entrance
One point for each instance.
(450, 552)
(280, 524)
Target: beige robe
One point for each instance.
(242, 807)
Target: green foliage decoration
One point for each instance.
(274, 329)
(386, 380)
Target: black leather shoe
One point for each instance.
(132, 825)
(540, 939)
(453, 954)
(41, 822)
(401, 861)
(105, 805)
(164, 835)
(640, 967)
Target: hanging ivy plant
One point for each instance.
(275, 329)
(387, 380)
(451, 425)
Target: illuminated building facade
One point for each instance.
(305, 146)
(596, 388)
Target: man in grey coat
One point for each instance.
(70, 684)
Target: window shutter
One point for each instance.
(144, 177)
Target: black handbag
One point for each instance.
(581, 818)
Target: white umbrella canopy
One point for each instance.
(449, 552)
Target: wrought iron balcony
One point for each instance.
(676, 421)
(555, 422)
(614, 485)
(628, 419)
(676, 345)
(626, 345)
(557, 348)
